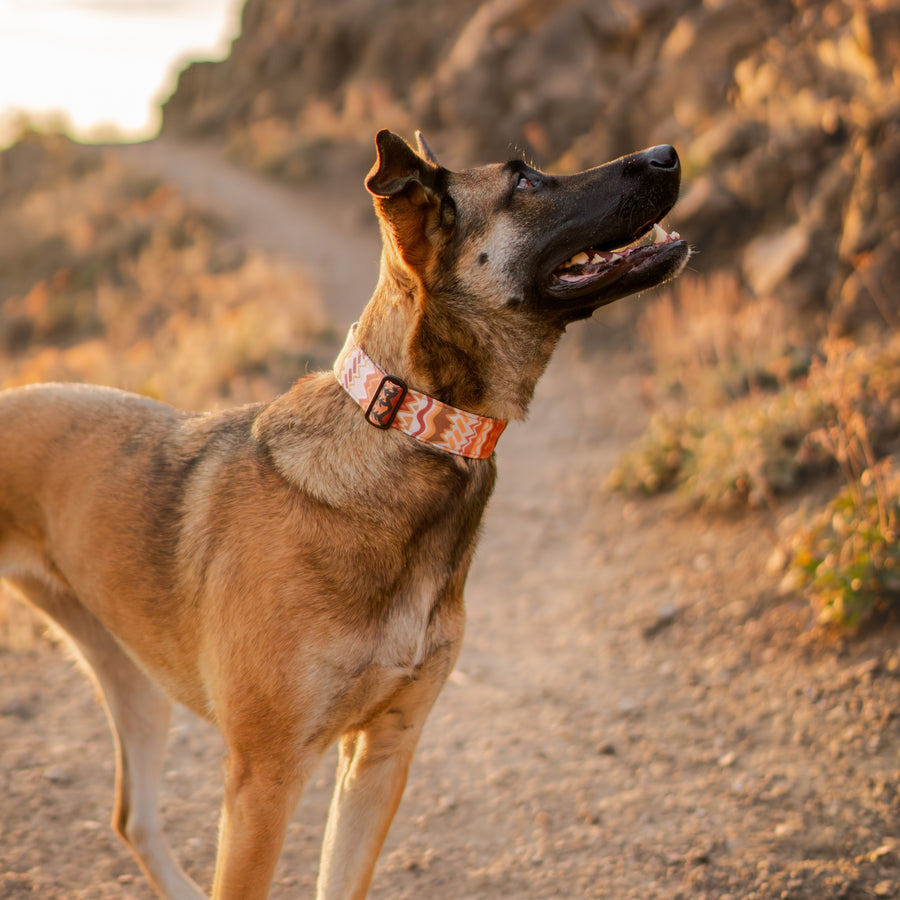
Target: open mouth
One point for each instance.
(589, 264)
(604, 274)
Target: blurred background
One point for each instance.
(101, 67)
(182, 214)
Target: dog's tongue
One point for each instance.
(588, 263)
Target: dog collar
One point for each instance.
(389, 403)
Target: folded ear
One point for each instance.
(407, 191)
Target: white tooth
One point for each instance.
(659, 234)
(579, 259)
(596, 257)
(615, 257)
(674, 236)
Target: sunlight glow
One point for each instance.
(103, 66)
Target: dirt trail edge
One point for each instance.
(635, 713)
(328, 228)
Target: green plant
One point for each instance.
(847, 558)
(655, 461)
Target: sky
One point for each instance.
(104, 63)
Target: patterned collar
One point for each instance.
(389, 403)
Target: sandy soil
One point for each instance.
(636, 713)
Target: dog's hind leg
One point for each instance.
(139, 714)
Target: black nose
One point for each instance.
(662, 157)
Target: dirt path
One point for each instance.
(328, 229)
(633, 716)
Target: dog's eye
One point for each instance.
(524, 183)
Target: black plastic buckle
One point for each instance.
(386, 403)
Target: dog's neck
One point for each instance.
(489, 368)
(388, 402)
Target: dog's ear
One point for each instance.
(407, 192)
(400, 170)
(425, 150)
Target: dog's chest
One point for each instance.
(411, 642)
(412, 626)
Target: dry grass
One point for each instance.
(116, 279)
(745, 417)
(728, 423)
(712, 341)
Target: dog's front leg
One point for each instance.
(371, 776)
(261, 793)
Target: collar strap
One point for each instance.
(389, 403)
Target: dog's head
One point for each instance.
(560, 246)
(504, 253)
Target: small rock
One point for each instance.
(885, 849)
(777, 562)
(727, 760)
(17, 708)
(865, 671)
(445, 803)
(58, 775)
(885, 889)
(665, 616)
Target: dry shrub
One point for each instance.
(147, 292)
(727, 457)
(767, 443)
(846, 558)
(723, 434)
(845, 414)
(713, 341)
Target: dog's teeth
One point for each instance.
(659, 234)
(579, 259)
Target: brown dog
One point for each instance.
(294, 571)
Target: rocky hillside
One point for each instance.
(787, 114)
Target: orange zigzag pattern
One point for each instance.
(420, 416)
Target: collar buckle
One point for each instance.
(386, 401)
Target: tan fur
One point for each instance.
(286, 570)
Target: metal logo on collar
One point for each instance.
(386, 402)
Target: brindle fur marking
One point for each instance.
(286, 570)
